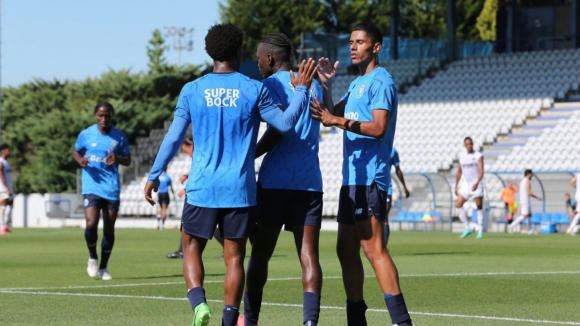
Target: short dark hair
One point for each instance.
(223, 41)
(280, 45)
(187, 141)
(104, 104)
(528, 172)
(3, 147)
(372, 31)
(467, 138)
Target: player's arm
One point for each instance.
(284, 121)
(269, 140)
(573, 181)
(326, 73)
(169, 147)
(480, 176)
(79, 151)
(529, 191)
(458, 177)
(3, 179)
(402, 179)
(113, 158)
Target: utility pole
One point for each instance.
(181, 39)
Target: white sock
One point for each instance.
(463, 217)
(2, 225)
(575, 221)
(480, 219)
(517, 221)
(7, 216)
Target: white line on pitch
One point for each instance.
(292, 279)
(521, 320)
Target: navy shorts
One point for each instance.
(233, 223)
(163, 198)
(90, 200)
(289, 207)
(358, 203)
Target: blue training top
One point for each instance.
(225, 110)
(366, 159)
(164, 183)
(394, 162)
(99, 178)
(293, 163)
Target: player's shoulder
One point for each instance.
(116, 133)
(382, 77)
(89, 130)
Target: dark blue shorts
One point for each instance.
(233, 223)
(358, 203)
(90, 200)
(289, 207)
(163, 198)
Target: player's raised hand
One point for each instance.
(149, 188)
(305, 75)
(326, 71)
(319, 112)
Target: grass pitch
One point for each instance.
(500, 280)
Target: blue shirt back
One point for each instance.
(367, 159)
(99, 178)
(293, 164)
(224, 110)
(395, 163)
(164, 183)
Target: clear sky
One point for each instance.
(75, 39)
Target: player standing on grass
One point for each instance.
(525, 204)
(225, 109)
(470, 172)
(396, 163)
(289, 188)
(575, 182)
(163, 198)
(368, 113)
(99, 150)
(6, 190)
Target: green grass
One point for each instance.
(436, 272)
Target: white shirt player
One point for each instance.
(7, 175)
(524, 196)
(470, 167)
(578, 189)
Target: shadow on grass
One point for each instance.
(161, 276)
(437, 253)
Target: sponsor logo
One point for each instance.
(351, 115)
(360, 92)
(97, 159)
(86, 202)
(224, 97)
(358, 211)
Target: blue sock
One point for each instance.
(355, 313)
(387, 233)
(107, 244)
(252, 306)
(196, 296)
(398, 309)
(91, 238)
(230, 315)
(310, 308)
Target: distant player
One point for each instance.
(163, 198)
(289, 190)
(508, 195)
(6, 190)
(368, 113)
(525, 203)
(99, 150)
(470, 172)
(396, 163)
(574, 225)
(225, 109)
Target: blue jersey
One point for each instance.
(395, 163)
(99, 178)
(366, 159)
(164, 183)
(224, 110)
(293, 163)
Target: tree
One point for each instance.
(157, 63)
(487, 21)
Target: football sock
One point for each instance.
(106, 247)
(387, 233)
(180, 246)
(196, 296)
(310, 308)
(2, 208)
(517, 221)
(7, 218)
(252, 306)
(480, 219)
(575, 221)
(230, 315)
(91, 238)
(355, 313)
(463, 217)
(397, 309)
(158, 220)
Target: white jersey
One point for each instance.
(578, 186)
(524, 197)
(7, 169)
(470, 167)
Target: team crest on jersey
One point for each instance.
(360, 92)
(86, 202)
(113, 144)
(94, 145)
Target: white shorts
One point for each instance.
(4, 196)
(525, 209)
(466, 192)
